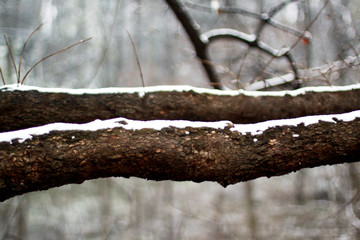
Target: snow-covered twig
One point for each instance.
(306, 74)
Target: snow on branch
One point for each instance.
(128, 124)
(253, 41)
(306, 74)
(186, 88)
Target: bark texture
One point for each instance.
(196, 154)
(23, 109)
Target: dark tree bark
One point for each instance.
(196, 154)
(23, 109)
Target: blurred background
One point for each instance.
(320, 203)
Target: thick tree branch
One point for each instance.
(226, 155)
(28, 108)
(252, 41)
(192, 30)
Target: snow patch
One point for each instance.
(253, 129)
(180, 88)
(259, 128)
(226, 32)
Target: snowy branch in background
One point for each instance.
(307, 74)
(253, 41)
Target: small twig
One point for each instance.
(226, 70)
(52, 54)
(223, 10)
(279, 7)
(11, 55)
(243, 62)
(263, 69)
(300, 37)
(137, 60)
(2, 76)
(236, 10)
(309, 26)
(268, 16)
(23, 49)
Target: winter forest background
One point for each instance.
(320, 203)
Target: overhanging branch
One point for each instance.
(223, 155)
(23, 107)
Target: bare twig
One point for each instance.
(300, 37)
(309, 26)
(263, 69)
(236, 10)
(2, 76)
(10, 52)
(226, 69)
(279, 7)
(223, 10)
(306, 74)
(52, 54)
(242, 64)
(137, 59)
(23, 49)
(268, 16)
(253, 41)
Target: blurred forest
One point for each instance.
(320, 203)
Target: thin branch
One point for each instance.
(2, 76)
(10, 52)
(52, 54)
(226, 69)
(223, 10)
(193, 32)
(251, 41)
(23, 49)
(279, 7)
(267, 17)
(309, 26)
(306, 74)
(303, 35)
(137, 60)
(236, 10)
(243, 63)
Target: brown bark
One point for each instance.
(196, 154)
(23, 109)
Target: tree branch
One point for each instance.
(23, 107)
(349, 62)
(222, 152)
(192, 30)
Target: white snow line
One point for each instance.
(180, 88)
(253, 129)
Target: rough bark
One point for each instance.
(23, 109)
(196, 154)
